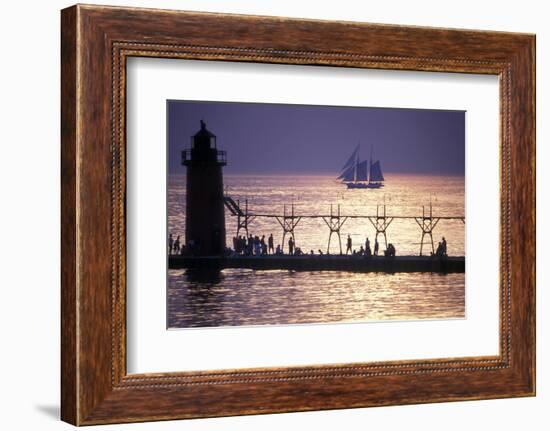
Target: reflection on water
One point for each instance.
(251, 297)
(235, 297)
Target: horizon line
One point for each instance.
(323, 174)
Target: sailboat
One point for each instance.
(361, 174)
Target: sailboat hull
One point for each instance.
(364, 185)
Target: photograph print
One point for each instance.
(285, 214)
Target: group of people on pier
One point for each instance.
(260, 246)
(175, 246)
(253, 245)
(441, 250)
(366, 250)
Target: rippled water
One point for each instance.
(248, 297)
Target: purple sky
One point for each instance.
(308, 139)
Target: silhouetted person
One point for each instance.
(290, 246)
(257, 246)
(443, 247)
(177, 245)
(238, 244)
(376, 246)
(250, 245)
(170, 244)
(367, 243)
(270, 243)
(278, 250)
(263, 245)
(368, 252)
(348, 247)
(243, 245)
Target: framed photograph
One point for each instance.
(268, 215)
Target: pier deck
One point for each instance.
(324, 263)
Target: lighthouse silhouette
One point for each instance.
(204, 216)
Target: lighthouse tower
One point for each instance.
(204, 214)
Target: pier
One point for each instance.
(323, 263)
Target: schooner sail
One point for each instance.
(357, 174)
(376, 172)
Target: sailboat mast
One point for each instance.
(356, 168)
(370, 164)
(356, 171)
